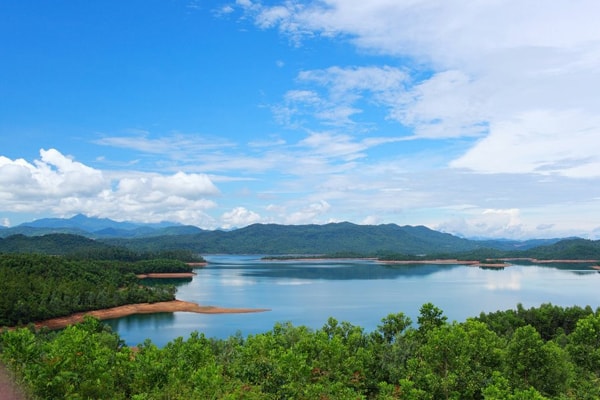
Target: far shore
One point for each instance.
(535, 260)
(503, 264)
(447, 262)
(143, 308)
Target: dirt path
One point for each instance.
(9, 390)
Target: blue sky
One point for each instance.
(474, 118)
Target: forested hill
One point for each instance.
(342, 239)
(569, 249)
(80, 247)
(331, 238)
(56, 244)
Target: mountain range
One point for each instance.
(96, 228)
(333, 238)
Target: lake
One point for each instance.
(361, 292)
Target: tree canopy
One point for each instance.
(493, 356)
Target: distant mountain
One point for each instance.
(342, 237)
(80, 222)
(98, 228)
(506, 244)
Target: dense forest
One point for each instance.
(35, 287)
(80, 247)
(358, 240)
(547, 352)
(341, 239)
(540, 353)
(307, 239)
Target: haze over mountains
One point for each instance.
(98, 228)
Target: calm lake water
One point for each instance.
(361, 292)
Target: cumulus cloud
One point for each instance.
(308, 213)
(490, 223)
(53, 175)
(239, 217)
(57, 184)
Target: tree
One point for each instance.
(456, 360)
(531, 362)
(430, 317)
(584, 344)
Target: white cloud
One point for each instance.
(60, 185)
(490, 223)
(370, 220)
(239, 217)
(308, 213)
(560, 142)
(175, 145)
(54, 175)
(525, 76)
(335, 93)
(445, 105)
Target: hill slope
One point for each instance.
(342, 237)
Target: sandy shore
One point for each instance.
(163, 275)
(143, 308)
(197, 264)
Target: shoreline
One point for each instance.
(535, 260)
(447, 262)
(141, 308)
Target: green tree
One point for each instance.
(456, 361)
(531, 362)
(584, 344)
(430, 317)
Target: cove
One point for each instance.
(361, 292)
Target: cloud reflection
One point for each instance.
(509, 280)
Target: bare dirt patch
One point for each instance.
(167, 275)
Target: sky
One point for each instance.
(477, 118)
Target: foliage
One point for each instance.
(36, 287)
(334, 238)
(436, 360)
(82, 248)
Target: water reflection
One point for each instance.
(359, 291)
(511, 280)
(178, 282)
(142, 321)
